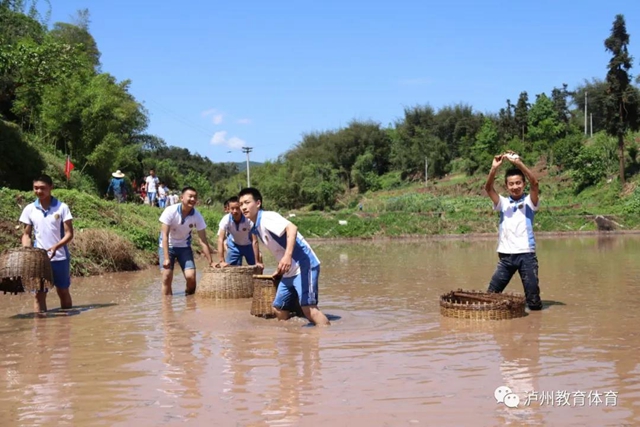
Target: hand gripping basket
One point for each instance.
(264, 292)
(231, 282)
(477, 305)
(25, 269)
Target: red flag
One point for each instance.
(68, 167)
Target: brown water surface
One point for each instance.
(126, 357)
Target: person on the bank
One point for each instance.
(162, 195)
(297, 263)
(51, 223)
(235, 228)
(152, 182)
(516, 241)
(175, 240)
(117, 185)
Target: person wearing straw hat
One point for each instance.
(178, 221)
(297, 263)
(516, 241)
(117, 185)
(51, 223)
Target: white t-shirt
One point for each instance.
(240, 233)
(271, 229)
(162, 193)
(152, 183)
(516, 225)
(48, 226)
(179, 228)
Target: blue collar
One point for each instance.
(254, 230)
(511, 200)
(54, 203)
(237, 224)
(183, 218)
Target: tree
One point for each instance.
(545, 128)
(596, 91)
(507, 127)
(621, 105)
(521, 113)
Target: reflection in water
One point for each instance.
(46, 369)
(390, 358)
(184, 359)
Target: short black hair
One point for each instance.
(254, 192)
(513, 172)
(226, 203)
(233, 199)
(44, 178)
(189, 188)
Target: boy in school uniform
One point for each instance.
(51, 223)
(235, 228)
(516, 241)
(297, 263)
(175, 240)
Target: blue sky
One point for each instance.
(215, 76)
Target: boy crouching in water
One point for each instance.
(297, 263)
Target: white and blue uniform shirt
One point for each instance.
(180, 228)
(271, 227)
(48, 225)
(516, 225)
(239, 233)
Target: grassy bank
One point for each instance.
(114, 237)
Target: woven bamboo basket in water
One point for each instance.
(264, 292)
(478, 305)
(227, 282)
(25, 269)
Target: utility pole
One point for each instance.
(585, 113)
(426, 170)
(591, 119)
(248, 150)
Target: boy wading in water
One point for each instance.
(516, 241)
(52, 224)
(175, 240)
(235, 229)
(297, 262)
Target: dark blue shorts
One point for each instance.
(61, 273)
(236, 252)
(184, 256)
(304, 286)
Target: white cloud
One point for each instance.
(217, 115)
(244, 121)
(220, 138)
(235, 142)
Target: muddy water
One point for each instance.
(126, 357)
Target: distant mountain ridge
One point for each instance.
(242, 166)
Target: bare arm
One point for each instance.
(256, 250)
(68, 236)
(221, 257)
(285, 263)
(488, 187)
(202, 235)
(26, 236)
(165, 245)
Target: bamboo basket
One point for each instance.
(25, 269)
(231, 282)
(478, 305)
(264, 292)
